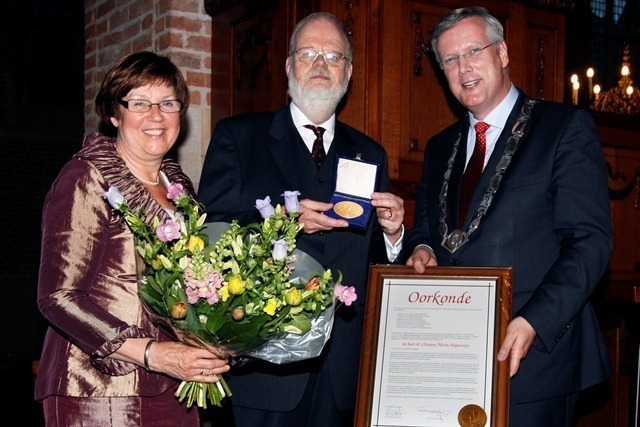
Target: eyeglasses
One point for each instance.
(473, 54)
(308, 55)
(142, 106)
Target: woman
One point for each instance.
(103, 361)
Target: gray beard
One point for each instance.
(316, 105)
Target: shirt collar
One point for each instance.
(300, 120)
(498, 117)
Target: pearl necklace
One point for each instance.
(454, 240)
(144, 181)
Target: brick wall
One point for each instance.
(179, 29)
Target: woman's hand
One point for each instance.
(175, 359)
(187, 363)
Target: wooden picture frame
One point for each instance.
(430, 344)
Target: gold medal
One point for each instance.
(472, 416)
(348, 209)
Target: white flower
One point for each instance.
(114, 197)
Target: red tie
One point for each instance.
(318, 146)
(473, 172)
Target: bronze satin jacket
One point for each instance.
(87, 287)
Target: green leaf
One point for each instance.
(301, 322)
(245, 334)
(155, 303)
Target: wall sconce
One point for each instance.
(623, 99)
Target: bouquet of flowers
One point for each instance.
(240, 293)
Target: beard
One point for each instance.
(315, 103)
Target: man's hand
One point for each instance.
(313, 217)
(520, 336)
(422, 257)
(390, 212)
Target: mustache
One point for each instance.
(319, 73)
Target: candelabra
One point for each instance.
(623, 99)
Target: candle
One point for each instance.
(590, 77)
(596, 91)
(576, 86)
(624, 71)
(574, 78)
(629, 90)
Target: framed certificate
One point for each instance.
(430, 345)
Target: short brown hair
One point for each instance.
(136, 70)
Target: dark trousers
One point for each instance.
(558, 412)
(316, 409)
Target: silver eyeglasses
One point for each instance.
(473, 54)
(142, 106)
(308, 55)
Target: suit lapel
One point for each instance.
(342, 144)
(456, 174)
(289, 152)
(293, 158)
(501, 143)
(497, 154)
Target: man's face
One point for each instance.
(318, 86)
(482, 83)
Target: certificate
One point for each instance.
(430, 348)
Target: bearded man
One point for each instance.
(255, 155)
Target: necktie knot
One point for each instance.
(317, 151)
(481, 128)
(319, 131)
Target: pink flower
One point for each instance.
(346, 294)
(175, 191)
(169, 231)
(203, 283)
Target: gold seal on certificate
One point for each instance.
(472, 416)
(348, 209)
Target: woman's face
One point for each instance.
(147, 136)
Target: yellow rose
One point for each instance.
(156, 264)
(224, 292)
(270, 308)
(236, 285)
(195, 244)
(293, 296)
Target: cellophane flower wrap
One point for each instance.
(239, 290)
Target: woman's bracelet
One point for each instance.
(146, 353)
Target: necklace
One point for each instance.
(144, 181)
(454, 240)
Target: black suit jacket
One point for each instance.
(258, 154)
(550, 221)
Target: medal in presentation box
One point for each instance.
(355, 181)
